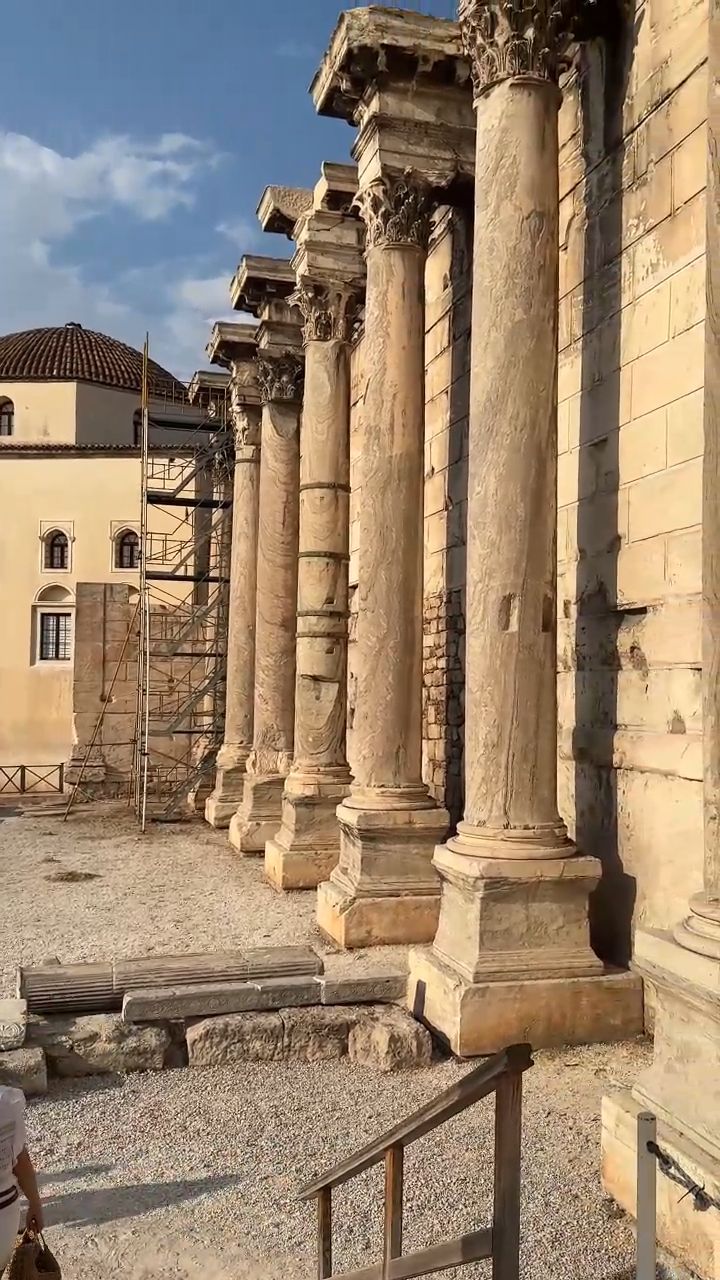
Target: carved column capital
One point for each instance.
(246, 425)
(396, 211)
(330, 311)
(527, 39)
(281, 378)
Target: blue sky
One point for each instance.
(136, 137)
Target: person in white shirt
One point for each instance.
(16, 1173)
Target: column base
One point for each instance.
(227, 794)
(306, 849)
(384, 890)
(690, 1237)
(259, 815)
(682, 1089)
(476, 1018)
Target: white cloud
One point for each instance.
(45, 197)
(244, 234)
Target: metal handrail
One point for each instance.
(501, 1075)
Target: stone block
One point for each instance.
(642, 446)
(686, 428)
(481, 1018)
(690, 1237)
(669, 372)
(13, 1024)
(669, 247)
(382, 921)
(373, 988)
(684, 562)
(210, 999)
(646, 323)
(689, 166)
(389, 1040)
(666, 501)
(316, 1035)
(238, 1037)
(97, 1044)
(24, 1069)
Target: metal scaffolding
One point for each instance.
(185, 535)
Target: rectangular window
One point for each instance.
(55, 637)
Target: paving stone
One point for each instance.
(388, 1039)
(377, 988)
(13, 1024)
(24, 1069)
(236, 1037)
(212, 999)
(98, 1043)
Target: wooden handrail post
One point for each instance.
(506, 1211)
(393, 1207)
(325, 1233)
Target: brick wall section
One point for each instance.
(630, 427)
(447, 377)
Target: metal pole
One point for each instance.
(646, 1197)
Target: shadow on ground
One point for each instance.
(95, 1207)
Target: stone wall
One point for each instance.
(632, 287)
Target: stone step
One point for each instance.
(93, 988)
(208, 999)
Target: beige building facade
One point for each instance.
(70, 490)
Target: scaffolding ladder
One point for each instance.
(185, 536)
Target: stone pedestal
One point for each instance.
(512, 950)
(234, 345)
(258, 817)
(307, 846)
(384, 888)
(682, 1088)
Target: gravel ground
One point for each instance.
(190, 1174)
(177, 889)
(195, 1173)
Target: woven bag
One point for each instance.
(32, 1260)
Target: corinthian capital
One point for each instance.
(280, 378)
(396, 211)
(504, 39)
(329, 311)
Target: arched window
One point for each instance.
(7, 417)
(127, 550)
(57, 550)
(53, 609)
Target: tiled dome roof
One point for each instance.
(74, 354)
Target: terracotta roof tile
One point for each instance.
(74, 354)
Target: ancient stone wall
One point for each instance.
(104, 657)
(630, 428)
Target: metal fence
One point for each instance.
(20, 779)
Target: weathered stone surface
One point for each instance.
(374, 988)
(238, 1037)
(389, 1040)
(24, 1069)
(316, 1035)
(211, 999)
(13, 1024)
(97, 1044)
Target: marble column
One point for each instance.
(233, 347)
(512, 955)
(306, 848)
(280, 381)
(384, 888)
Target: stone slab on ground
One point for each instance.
(390, 1040)
(13, 1024)
(208, 999)
(98, 1043)
(372, 988)
(24, 1069)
